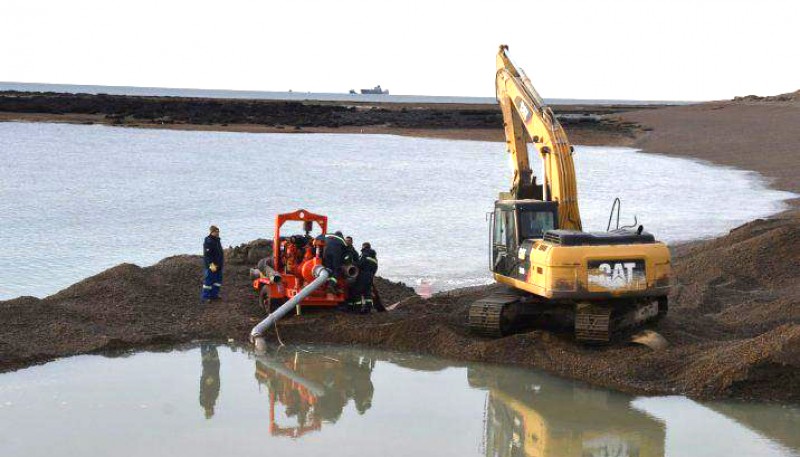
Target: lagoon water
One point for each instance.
(77, 199)
(215, 400)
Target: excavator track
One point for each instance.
(593, 323)
(489, 316)
(599, 323)
(503, 313)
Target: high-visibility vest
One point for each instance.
(337, 237)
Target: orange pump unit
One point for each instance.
(292, 264)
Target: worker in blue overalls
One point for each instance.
(213, 262)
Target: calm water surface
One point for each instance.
(311, 401)
(77, 199)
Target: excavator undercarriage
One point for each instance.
(510, 311)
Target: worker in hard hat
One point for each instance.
(213, 260)
(333, 256)
(367, 267)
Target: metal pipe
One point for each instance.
(265, 271)
(322, 276)
(350, 273)
(274, 277)
(272, 274)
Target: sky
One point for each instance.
(587, 49)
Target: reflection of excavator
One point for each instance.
(545, 417)
(596, 282)
(312, 388)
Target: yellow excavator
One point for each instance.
(555, 273)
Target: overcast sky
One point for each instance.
(656, 50)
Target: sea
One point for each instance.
(78, 199)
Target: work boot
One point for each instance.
(345, 308)
(357, 306)
(366, 307)
(205, 301)
(216, 298)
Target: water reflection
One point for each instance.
(341, 402)
(209, 379)
(526, 413)
(310, 388)
(537, 415)
(781, 425)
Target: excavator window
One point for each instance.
(511, 240)
(504, 228)
(504, 239)
(499, 228)
(533, 224)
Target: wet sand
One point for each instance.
(762, 136)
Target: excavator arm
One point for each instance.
(527, 119)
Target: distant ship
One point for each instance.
(374, 91)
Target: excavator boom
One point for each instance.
(528, 119)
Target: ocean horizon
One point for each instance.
(296, 96)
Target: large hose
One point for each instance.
(314, 387)
(321, 274)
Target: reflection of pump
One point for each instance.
(312, 388)
(547, 418)
(209, 380)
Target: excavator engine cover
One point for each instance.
(576, 238)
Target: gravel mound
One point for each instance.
(734, 324)
(789, 97)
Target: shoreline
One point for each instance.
(586, 136)
(725, 343)
(588, 124)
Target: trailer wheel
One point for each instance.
(268, 303)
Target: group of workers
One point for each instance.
(338, 251)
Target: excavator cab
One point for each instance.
(513, 222)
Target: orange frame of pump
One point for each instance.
(289, 391)
(296, 265)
